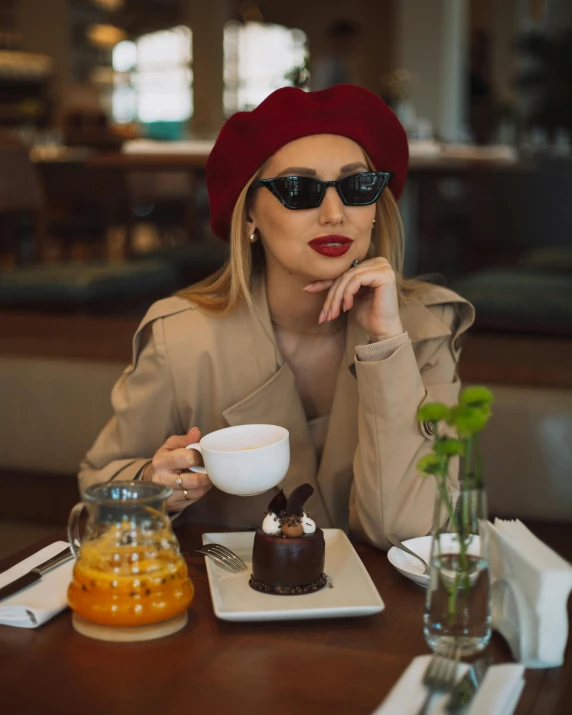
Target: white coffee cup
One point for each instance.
(246, 459)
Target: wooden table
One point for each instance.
(336, 666)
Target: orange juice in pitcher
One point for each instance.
(130, 581)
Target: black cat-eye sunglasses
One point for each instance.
(303, 192)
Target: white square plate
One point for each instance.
(352, 594)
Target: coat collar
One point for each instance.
(418, 320)
(421, 323)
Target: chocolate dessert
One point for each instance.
(289, 550)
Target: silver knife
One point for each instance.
(35, 574)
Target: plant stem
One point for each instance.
(468, 461)
(444, 497)
(478, 462)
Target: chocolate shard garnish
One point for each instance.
(298, 498)
(278, 503)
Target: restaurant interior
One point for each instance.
(108, 112)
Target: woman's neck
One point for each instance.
(294, 309)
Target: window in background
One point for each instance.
(153, 81)
(257, 60)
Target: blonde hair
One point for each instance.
(223, 291)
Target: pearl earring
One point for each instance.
(252, 237)
(373, 224)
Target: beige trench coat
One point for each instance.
(190, 369)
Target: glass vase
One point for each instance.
(457, 608)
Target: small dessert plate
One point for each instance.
(352, 591)
(409, 566)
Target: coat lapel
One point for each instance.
(335, 467)
(278, 402)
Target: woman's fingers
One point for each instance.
(180, 441)
(178, 501)
(175, 460)
(194, 484)
(318, 286)
(373, 273)
(335, 295)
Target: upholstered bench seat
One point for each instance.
(194, 261)
(520, 297)
(82, 285)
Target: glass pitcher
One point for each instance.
(129, 573)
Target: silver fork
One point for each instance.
(224, 557)
(440, 675)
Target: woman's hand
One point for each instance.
(370, 290)
(172, 461)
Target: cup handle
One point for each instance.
(197, 446)
(73, 527)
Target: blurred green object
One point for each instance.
(172, 131)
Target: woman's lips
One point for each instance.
(331, 246)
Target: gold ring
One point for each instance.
(179, 481)
(186, 494)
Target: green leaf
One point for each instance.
(433, 412)
(448, 447)
(430, 464)
(476, 396)
(469, 420)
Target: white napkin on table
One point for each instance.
(498, 694)
(530, 588)
(36, 604)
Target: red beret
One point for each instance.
(247, 139)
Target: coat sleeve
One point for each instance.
(145, 413)
(388, 494)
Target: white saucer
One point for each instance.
(407, 565)
(410, 567)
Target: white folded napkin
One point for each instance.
(530, 589)
(36, 604)
(498, 694)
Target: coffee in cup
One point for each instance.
(245, 459)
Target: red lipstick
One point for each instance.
(332, 246)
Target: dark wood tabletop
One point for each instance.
(335, 666)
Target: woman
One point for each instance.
(310, 325)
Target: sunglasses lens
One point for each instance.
(298, 192)
(363, 188)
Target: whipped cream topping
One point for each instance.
(271, 524)
(308, 524)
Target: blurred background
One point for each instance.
(108, 111)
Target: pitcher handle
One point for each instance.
(73, 527)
